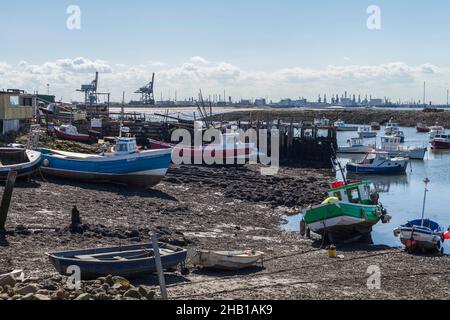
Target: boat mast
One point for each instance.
(122, 114)
(426, 181)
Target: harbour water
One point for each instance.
(403, 195)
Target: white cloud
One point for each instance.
(394, 79)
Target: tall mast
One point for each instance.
(426, 181)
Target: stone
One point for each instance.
(83, 297)
(7, 280)
(102, 297)
(4, 296)
(119, 286)
(105, 287)
(146, 293)
(44, 292)
(132, 293)
(56, 278)
(50, 285)
(109, 280)
(31, 288)
(60, 295)
(41, 297)
(102, 280)
(29, 296)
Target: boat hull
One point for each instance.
(228, 260)
(342, 220)
(399, 168)
(145, 169)
(25, 169)
(171, 256)
(367, 135)
(72, 137)
(346, 128)
(440, 144)
(354, 150)
(415, 154)
(423, 239)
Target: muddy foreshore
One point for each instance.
(203, 208)
(406, 118)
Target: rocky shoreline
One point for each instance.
(406, 118)
(203, 208)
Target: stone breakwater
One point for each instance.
(406, 118)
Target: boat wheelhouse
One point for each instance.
(366, 132)
(354, 146)
(392, 145)
(378, 162)
(350, 212)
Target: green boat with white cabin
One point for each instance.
(350, 212)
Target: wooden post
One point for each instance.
(6, 200)
(159, 269)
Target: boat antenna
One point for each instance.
(426, 181)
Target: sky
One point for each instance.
(249, 48)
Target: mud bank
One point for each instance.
(406, 118)
(203, 208)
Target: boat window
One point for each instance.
(121, 148)
(337, 194)
(353, 195)
(14, 101)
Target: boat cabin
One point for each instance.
(126, 146)
(442, 136)
(355, 142)
(389, 142)
(358, 192)
(372, 156)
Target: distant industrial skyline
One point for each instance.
(250, 49)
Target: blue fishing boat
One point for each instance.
(125, 261)
(423, 234)
(126, 165)
(25, 162)
(379, 162)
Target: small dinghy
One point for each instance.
(25, 162)
(422, 234)
(228, 260)
(126, 261)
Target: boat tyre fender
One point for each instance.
(439, 248)
(302, 228)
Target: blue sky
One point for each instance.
(258, 45)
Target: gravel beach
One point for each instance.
(204, 208)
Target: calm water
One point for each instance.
(403, 195)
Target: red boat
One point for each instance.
(230, 150)
(69, 132)
(375, 126)
(422, 128)
(441, 141)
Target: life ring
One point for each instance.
(330, 200)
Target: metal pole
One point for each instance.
(159, 269)
(424, 199)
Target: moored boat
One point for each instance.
(350, 212)
(70, 132)
(422, 128)
(25, 162)
(422, 234)
(342, 126)
(355, 146)
(375, 126)
(392, 145)
(126, 165)
(366, 132)
(228, 151)
(441, 141)
(379, 162)
(436, 130)
(126, 261)
(228, 260)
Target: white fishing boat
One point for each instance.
(436, 130)
(392, 145)
(228, 260)
(354, 146)
(366, 132)
(342, 126)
